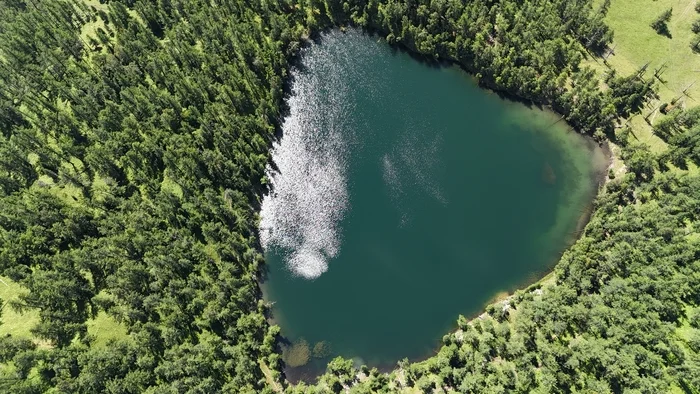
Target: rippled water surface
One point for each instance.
(404, 195)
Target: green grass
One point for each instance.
(685, 330)
(636, 44)
(683, 333)
(11, 322)
(102, 328)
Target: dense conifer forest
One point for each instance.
(134, 139)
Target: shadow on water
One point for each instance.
(424, 60)
(437, 62)
(296, 63)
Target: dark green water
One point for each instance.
(406, 195)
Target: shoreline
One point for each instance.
(533, 282)
(315, 367)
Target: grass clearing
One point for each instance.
(103, 327)
(636, 44)
(684, 332)
(12, 322)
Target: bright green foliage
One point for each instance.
(528, 49)
(90, 131)
(607, 325)
(133, 142)
(681, 129)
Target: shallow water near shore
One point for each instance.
(404, 195)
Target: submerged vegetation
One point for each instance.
(134, 138)
(297, 354)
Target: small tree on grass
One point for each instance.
(695, 43)
(696, 26)
(660, 23)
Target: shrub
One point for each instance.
(660, 23)
(695, 43)
(696, 26)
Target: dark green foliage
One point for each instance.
(530, 50)
(132, 162)
(660, 24)
(696, 26)
(10, 347)
(695, 43)
(681, 129)
(694, 319)
(130, 173)
(640, 161)
(629, 94)
(608, 324)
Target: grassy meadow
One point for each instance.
(636, 43)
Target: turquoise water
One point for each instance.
(405, 195)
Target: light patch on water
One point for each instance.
(422, 159)
(309, 191)
(412, 163)
(396, 190)
(391, 178)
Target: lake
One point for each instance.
(402, 195)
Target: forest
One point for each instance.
(134, 137)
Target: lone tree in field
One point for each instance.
(660, 23)
(695, 27)
(695, 44)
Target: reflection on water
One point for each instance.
(405, 196)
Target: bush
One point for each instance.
(696, 26)
(695, 43)
(660, 23)
(694, 341)
(694, 318)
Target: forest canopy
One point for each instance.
(134, 137)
